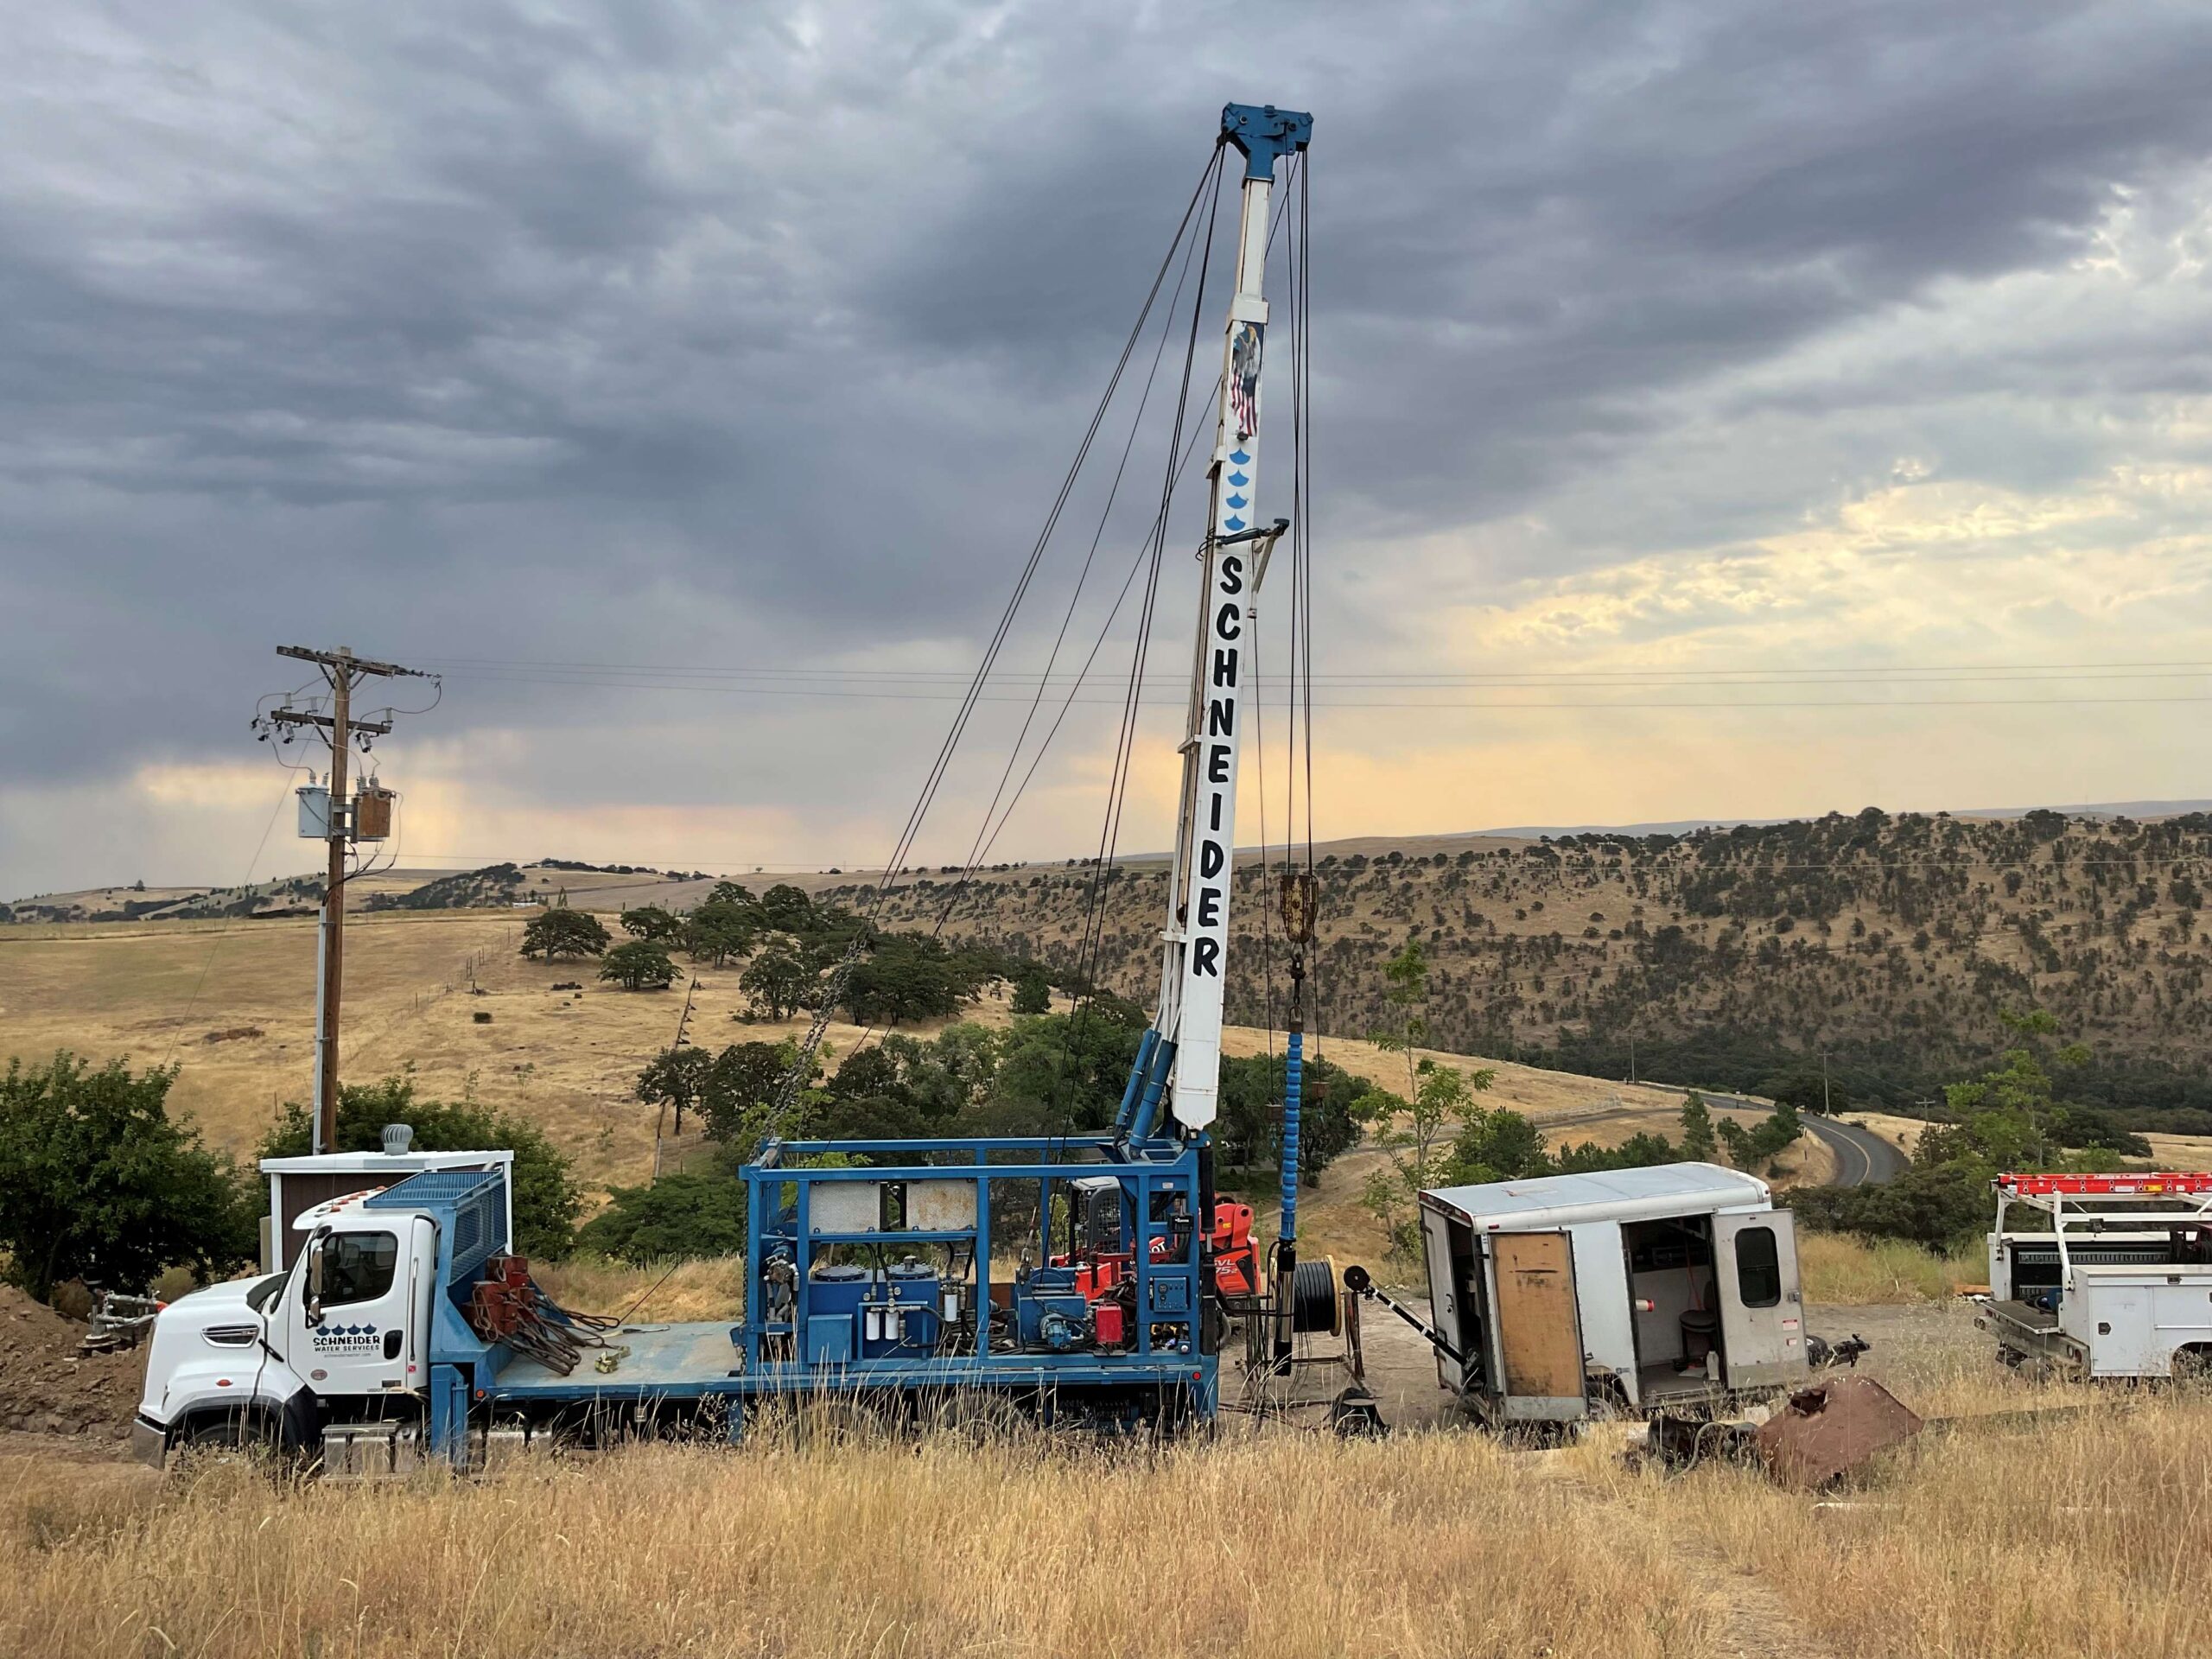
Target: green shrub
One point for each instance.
(97, 1183)
(545, 1196)
(676, 1218)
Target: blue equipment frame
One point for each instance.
(1146, 1376)
(1159, 1175)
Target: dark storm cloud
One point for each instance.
(703, 333)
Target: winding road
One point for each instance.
(1862, 1157)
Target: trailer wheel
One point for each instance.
(2192, 1365)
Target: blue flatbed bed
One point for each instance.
(702, 1361)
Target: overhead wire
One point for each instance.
(176, 1025)
(943, 762)
(1846, 674)
(1166, 697)
(985, 834)
(1091, 941)
(895, 866)
(1302, 543)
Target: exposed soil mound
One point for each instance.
(48, 1386)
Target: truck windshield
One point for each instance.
(1758, 1268)
(358, 1267)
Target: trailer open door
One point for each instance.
(1535, 1327)
(1444, 1310)
(1762, 1309)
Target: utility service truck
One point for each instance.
(2109, 1275)
(403, 1328)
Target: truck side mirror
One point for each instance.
(314, 1279)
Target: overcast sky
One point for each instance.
(1839, 373)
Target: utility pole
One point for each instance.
(343, 670)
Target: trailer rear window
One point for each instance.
(1759, 1268)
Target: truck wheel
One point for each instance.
(226, 1441)
(978, 1416)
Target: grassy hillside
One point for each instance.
(1719, 959)
(1892, 944)
(232, 1002)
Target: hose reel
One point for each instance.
(1315, 1308)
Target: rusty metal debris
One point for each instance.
(1832, 1428)
(1820, 1434)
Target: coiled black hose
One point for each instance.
(1313, 1304)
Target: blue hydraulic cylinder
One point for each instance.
(1163, 1062)
(1293, 1079)
(1138, 1073)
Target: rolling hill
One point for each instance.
(1890, 945)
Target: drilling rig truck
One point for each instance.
(406, 1328)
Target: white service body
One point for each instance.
(2127, 1259)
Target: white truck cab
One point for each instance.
(340, 1335)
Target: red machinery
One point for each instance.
(1100, 1272)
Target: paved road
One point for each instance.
(1862, 1157)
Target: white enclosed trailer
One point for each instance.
(1672, 1284)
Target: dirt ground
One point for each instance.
(1917, 1348)
(48, 1387)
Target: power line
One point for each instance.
(2031, 670)
(366, 816)
(1167, 700)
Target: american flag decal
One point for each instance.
(1244, 379)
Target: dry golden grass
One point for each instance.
(2084, 1536)
(2081, 1532)
(1287, 1547)
(2180, 1151)
(1846, 1272)
(1903, 1133)
(713, 1288)
(154, 991)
